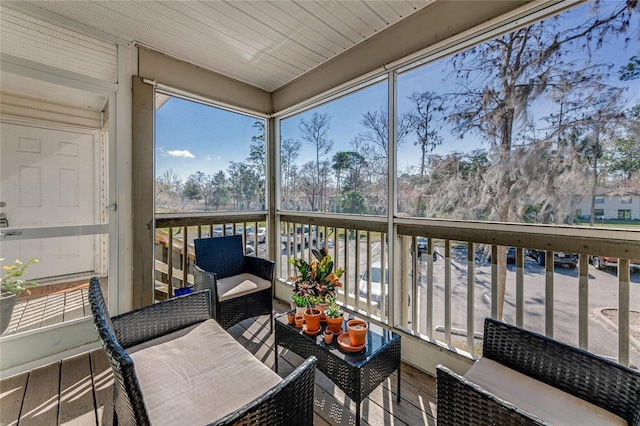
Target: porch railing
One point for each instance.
(448, 302)
(445, 290)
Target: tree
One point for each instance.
(316, 133)
(168, 192)
(352, 163)
(215, 190)
(631, 71)
(308, 183)
(353, 202)
(193, 188)
(376, 134)
(244, 183)
(425, 122)
(340, 164)
(289, 152)
(499, 80)
(257, 157)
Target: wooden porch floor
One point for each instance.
(78, 390)
(51, 304)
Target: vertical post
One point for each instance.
(624, 330)
(415, 273)
(170, 265)
(429, 312)
(185, 257)
(583, 302)
(447, 291)
(519, 287)
(356, 291)
(494, 282)
(548, 294)
(470, 296)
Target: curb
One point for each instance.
(601, 317)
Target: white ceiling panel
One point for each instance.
(33, 39)
(266, 43)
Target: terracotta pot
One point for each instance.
(312, 318)
(299, 320)
(328, 336)
(335, 324)
(291, 317)
(357, 331)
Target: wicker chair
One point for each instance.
(610, 387)
(241, 286)
(289, 402)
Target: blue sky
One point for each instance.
(193, 137)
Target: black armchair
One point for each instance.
(189, 371)
(241, 286)
(524, 378)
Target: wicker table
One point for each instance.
(357, 374)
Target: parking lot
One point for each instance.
(603, 295)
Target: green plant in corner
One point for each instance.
(13, 281)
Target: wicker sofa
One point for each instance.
(173, 364)
(524, 378)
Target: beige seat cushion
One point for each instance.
(239, 285)
(199, 376)
(544, 401)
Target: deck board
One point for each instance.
(11, 396)
(42, 397)
(66, 387)
(77, 406)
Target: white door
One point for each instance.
(49, 180)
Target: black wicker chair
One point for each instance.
(290, 402)
(605, 384)
(241, 286)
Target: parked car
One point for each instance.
(262, 235)
(376, 285)
(217, 231)
(422, 243)
(559, 258)
(602, 262)
(303, 236)
(511, 255)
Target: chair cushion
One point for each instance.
(544, 401)
(239, 285)
(198, 375)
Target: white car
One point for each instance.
(262, 235)
(376, 286)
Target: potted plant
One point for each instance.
(300, 303)
(357, 329)
(316, 281)
(328, 336)
(312, 319)
(334, 316)
(11, 286)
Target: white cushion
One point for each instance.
(544, 401)
(199, 376)
(239, 285)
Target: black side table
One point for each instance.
(356, 373)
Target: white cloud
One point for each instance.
(177, 153)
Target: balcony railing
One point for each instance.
(443, 293)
